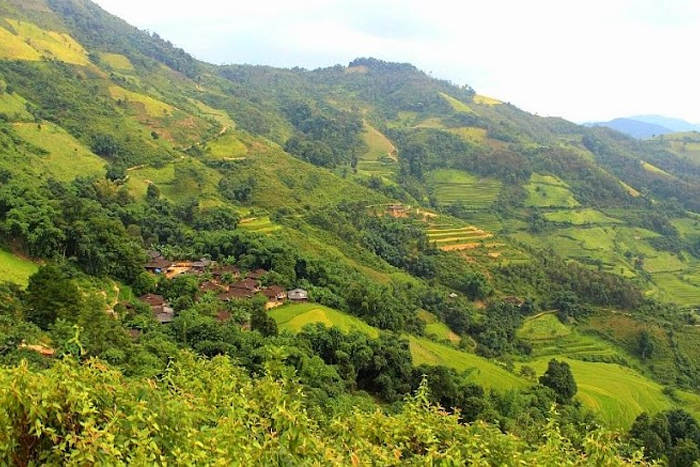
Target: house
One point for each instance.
(275, 293)
(209, 286)
(158, 265)
(156, 302)
(235, 294)
(298, 295)
(217, 273)
(257, 274)
(161, 311)
(201, 265)
(246, 284)
(166, 316)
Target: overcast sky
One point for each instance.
(583, 60)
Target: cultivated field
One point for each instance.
(381, 157)
(454, 186)
(66, 158)
(546, 191)
(295, 317)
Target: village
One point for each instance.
(227, 282)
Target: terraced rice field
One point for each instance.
(437, 329)
(680, 288)
(295, 317)
(483, 371)
(381, 158)
(453, 239)
(543, 327)
(454, 186)
(546, 191)
(580, 217)
(258, 224)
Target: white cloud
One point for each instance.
(584, 60)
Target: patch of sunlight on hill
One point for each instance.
(485, 100)
(471, 134)
(653, 169)
(66, 157)
(153, 107)
(52, 44)
(14, 48)
(117, 61)
(15, 269)
(15, 107)
(457, 105)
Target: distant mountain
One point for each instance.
(675, 124)
(634, 128)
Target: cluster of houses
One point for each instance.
(227, 282)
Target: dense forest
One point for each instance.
(353, 265)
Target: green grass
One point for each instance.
(15, 107)
(543, 327)
(454, 186)
(378, 146)
(580, 217)
(680, 288)
(14, 47)
(295, 317)
(15, 269)
(471, 134)
(226, 147)
(616, 393)
(171, 187)
(485, 100)
(261, 224)
(485, 373)
(437, 329)
(67, 158)
(548, 191)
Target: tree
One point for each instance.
(559, 378)
(52, 295)
(646, 345)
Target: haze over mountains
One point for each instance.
(647, 126)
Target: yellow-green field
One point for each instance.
(457, 105)
(67, 158)
(45, 43)
(484, 372)
(454, 186)
(655, 170)
(14, 47)
(15, 107)
(471, 134)
(172, 187)
(547, 191)
(15, 269)
(546, 326)
(117, 61)
(258, 224)
(219, 115)
(152, 107)
(485, 100)
(579, 217)
(295, 317)
(226, 147)
(437, 329)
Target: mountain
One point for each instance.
(647, 126)
(480, 246)
(674, 124)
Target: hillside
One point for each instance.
(635, 128)
(445, 234)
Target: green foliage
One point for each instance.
(559, 378)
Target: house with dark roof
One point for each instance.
(210, 286)
(161, 311)
(235, 294)
(298, 295)
(223, 270)
(275, 293)
(158, 265)
(257, 274)
(246, 284)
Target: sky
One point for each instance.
(584, 60)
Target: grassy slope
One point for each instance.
(15, 269)
(294, 317)
(454, 186)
